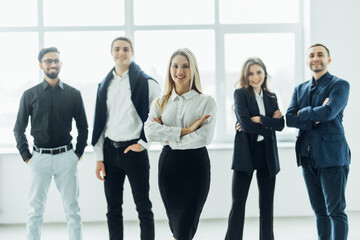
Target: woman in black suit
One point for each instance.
(258, 118)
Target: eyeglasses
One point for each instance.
(50, 61)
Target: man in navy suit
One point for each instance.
(316, 109)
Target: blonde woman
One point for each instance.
(183, 119)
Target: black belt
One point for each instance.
(53, 151)
(123, 144)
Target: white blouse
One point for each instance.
(261, 106)
(181, 112)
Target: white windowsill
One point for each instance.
(158, 147)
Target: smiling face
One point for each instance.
(121, 52)
(318, 59)
(256, 77)
(180, 73)
(51, 65)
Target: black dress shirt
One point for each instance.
(51, 110)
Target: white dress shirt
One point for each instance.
(181, 112)
(123, 122)
(260, 103)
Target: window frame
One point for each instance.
(220, 31)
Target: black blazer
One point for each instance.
(246, 107)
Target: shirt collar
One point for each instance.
(188, 95)
(45, 84)
(323, 78)
(258, 95)
(124, 75)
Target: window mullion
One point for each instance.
(41, 31)
(129, 19)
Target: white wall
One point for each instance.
(336, 24)
(332, 22)
(14, 185)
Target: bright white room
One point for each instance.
(222, 34)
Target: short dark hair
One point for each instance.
(126, 39)
(321, 45)
(45, 51)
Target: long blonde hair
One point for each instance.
(169, 82)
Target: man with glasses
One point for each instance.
(52, 106)
(122, 107)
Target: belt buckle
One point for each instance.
(57, 150)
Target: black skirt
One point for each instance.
(184, 181)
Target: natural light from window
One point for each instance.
(221, 33)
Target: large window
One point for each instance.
(259, 11)
(158, 52)
(277, 50)
(221, 33)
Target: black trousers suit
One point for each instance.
(250, 155)
(134, 165)
(240, 189)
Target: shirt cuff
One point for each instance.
(99, 155)
(144, 144)
(175, 141)
(173, 144)
(26, 155)
(175, 133)
(78, 152)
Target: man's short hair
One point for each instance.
(45, 51)
(126, 39)
(321, 45)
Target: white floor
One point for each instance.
(300, 228)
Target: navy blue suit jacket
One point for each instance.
(139, 96)
(246, 107)
(329, 146)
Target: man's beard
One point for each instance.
(319, 70)
(53, 75)
(322, 67)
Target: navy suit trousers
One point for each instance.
(326, 189)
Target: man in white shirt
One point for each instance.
(120, 145)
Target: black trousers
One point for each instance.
(184, 181)
(240, 189)
(134, 165)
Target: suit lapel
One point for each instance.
(268, 105)
(318, 89)
(306, 95)
(254, 106)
